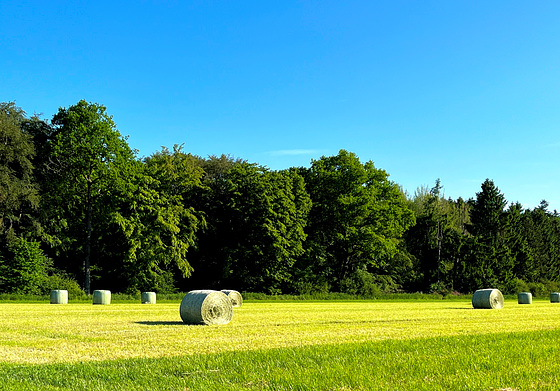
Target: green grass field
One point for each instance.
(330, 345)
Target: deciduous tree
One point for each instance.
(88, 160)
(357, 217)
(256, 219)
(158, 220)
(19, 194)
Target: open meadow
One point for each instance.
(322, 345)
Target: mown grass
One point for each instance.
(504, 361)
(281, 346)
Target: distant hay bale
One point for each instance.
(59, 296)
(488, 298)
(525, 298)
(234, 296)
(102, 297)
(206, 307)
(148, 297)
(555, 297)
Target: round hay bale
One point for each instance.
(555, 297)
(488, 298)
(148, 297)
(525, 298)
(102, 297)
(234, 296)
(59, 296)
(206, 307)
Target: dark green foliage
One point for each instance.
(88, 162)
(61, 281)
(23, 269)
(357, 217)
(157, 221)
(489, 260)
(432, 245)
(404, 270)
(482, 243)
(19, 195)
(540, 289)
(363, 283)
(541, 231)
(256, 226)
(77, 204)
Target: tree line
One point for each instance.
(79, 210)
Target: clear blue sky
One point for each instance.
(457, 90)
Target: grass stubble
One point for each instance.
(369, 345)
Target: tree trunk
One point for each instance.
(439, 243)
(87, 272)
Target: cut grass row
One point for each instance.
(281, 346)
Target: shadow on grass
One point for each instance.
(160, 323)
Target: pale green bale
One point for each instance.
(525, 298)
(206, 307)
(148, 297)
(59, 296)
(102, 297)
(555, 297)
(488, 299)
(234, 296)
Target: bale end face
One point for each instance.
(234, 296)
(555, 297)
(206, 307)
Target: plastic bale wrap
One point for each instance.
(555, 297)
(488, 298)
(102, 297)
(59, 296)
(525, 298)
(148, 298)
(206, 307)
(234, 296)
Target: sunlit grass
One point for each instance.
(489, 362)
(370, 345)
(33, 333)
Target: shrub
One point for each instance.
(440, 288)
(516, 285)
(538, 289)
(386, 283)
(552, 286)
(309, 287)
(23, 268)
(59, 281)
(363, 283)
(160, 281)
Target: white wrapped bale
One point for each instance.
(102, 297)
(59, 296)
(525, 298)
(234, 296)
(148, 297)
(488, 298)
(206, 307)
(555, 297)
